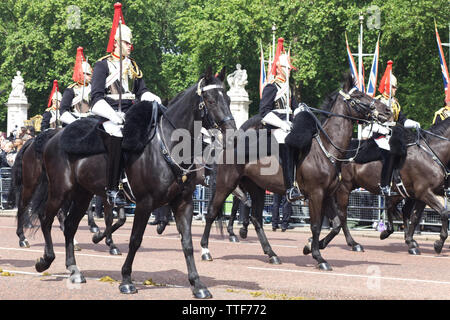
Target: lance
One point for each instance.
(390, 89)
(120, 64)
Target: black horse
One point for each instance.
(27, 173)
(317, 175)
(423, 174)
(155, 178)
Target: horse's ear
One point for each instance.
(349, 82)
(208, 74)
(221, 75)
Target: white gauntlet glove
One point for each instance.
(148, 96)
(103, 109)
(411, 124)
(380, 129)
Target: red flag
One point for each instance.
(78, 69)
(385, 83)
(117, 14)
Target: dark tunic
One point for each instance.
(268, 103)
(98, 90)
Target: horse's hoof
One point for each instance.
(202, 293)
(127, 288)
(207, 257)
(414, 243)
(438, 246)
(358, 248)
(160, 228)
(307, 249)
(76, 247)
(243, 233)
(115, 252)
(324, 266)
(94, 229)
(77, 278)
(233, 239)
(96, 238)
(385, 234)
(274, 260)
(24, 243)
(414, 251)
(41, 265)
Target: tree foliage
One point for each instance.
(174, 42)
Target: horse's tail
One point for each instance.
(39, 199)
(15, 190)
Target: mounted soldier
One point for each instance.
(117, 83)
(75, 99)
(382, 134)
(444, 112)
(276, 109)
(51, 115)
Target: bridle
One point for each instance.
(359, 106)
(207, 120)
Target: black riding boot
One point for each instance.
(287, 163)
(113, 171)
(389, 160)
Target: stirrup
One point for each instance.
(385, 191)
(115, 198)
(293, 194)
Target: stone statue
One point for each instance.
(18, 87)
(237, 80)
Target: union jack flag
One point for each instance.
(372, 84)
(262, 74)
(359, 84)
(444, 68)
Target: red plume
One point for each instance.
(117, 14)
(78, 69)
(54, 89)
(280, 49)
(385, 83)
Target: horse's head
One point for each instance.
(215, 103)
(362, 105)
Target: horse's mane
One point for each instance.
(179, 96)
(441, 127)
(253, 122)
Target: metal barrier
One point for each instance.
(363, 210)
(5, 185)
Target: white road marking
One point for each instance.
(58, 252)
(350, 275)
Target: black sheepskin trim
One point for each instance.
(41, 140)
(82, 137)
(398, 141)
(368, 151)
(136, 128)
(304, 128)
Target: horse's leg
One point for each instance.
(214, 208)
(411, 223)
(234, 209)
(329, 210)
(78, 209)
(141, 215)
(316, 218)
(21, 217)
(245, 221)
(342, 202)
(110, 228)
(183, 218)
(257, 196)
(391, 208)
(93, 227)
(434, 203)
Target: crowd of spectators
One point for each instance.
(10, 145)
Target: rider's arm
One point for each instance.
(66, 101)
(45, 123)
(267, 101)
